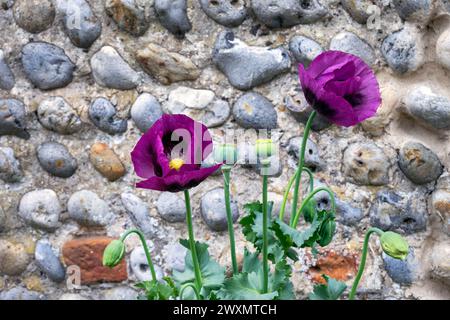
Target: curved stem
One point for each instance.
(362, 264)
(226, 181)
(265, 248)
(289, 186)
(198, 274)
(301, 163)
(193, 287)
(308, 198)
(144, 245)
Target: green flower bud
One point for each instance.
(326, 232)
(394, 245)
(309, 211)
(226, 153)
(264, 148)
(114, 253)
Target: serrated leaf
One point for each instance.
(213, 275)
(331, 291)
(155, 290)
(292, 237)
(245, 286)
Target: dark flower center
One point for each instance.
(322, 107)
(355, 99)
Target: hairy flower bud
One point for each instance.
(114, 253)
(394, 245)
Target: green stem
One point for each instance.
(226, 179)
(308, 198)
(198, 274)
(288, 189)
(193, 287)
(301, 163)
(362, 264)
(144, 245)
(265, 248)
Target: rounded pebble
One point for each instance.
(420, 11)
(140, 267)
(304, 49)
(10, 170)
(56, 159)
(103, 114)
(129, 16)
(41, 209)
(34, 15)
(46, 65)
(48, 261)
(86, 208)
(172, 14)
(350, 43)
(57, 115)
(171, 207)
(253, 110)
(139, 213)
(419, 164)
(229, 13)
(7, 79)
(19, 293)
(145, 111)
(312, 157)
(13, 258)
(214, 212)
(13, 118)
(106, 161)
(401, 271)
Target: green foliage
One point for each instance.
(331, 291)
(154, 290)
(248, 285)
(213, 275)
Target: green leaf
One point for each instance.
(331, 291)
(292, 237)
(155, 290)
(213, 275)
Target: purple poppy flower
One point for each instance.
(341, 87)
(169, 155)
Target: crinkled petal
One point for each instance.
(328, 62)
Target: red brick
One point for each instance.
(335, 265)
(87, 253)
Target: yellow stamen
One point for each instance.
(176, 163)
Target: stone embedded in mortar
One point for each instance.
(175, 257)
(427, 108)
(7, 79)
(402, 271)
(13, 118)
(201, 105)
(440, 203)
(304, 49)
(339, 266)
(348, 214)
(110, 70)
(81, 24)
(48, 261)
(171, 207)
(351, 43)
(396, 210)
(312, 157)
(87, 254)
(366, 164)
(403, 50)
(167, 67)
(419, 11)
(139, 213)
(13, 258)
(72, 296)
(130, 16)
(46, 65)
(139, 266)
(56, 159)
(34, 15)
(106, 161)
(275, 168)
(440, 262)
(443, 49)
(86, 208)
(288, 13)
(301, 110)
(6, 4)
(10, 169)
(248, 66)
(213, 210)
(172, 15)
(19, 293)
(418, 163)
(359, 10)
(122, 293)
(3, 220)
(40, 209)
(145, 111)
(230, 13)
(253, 110)
(103, 114)
(56, 114)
